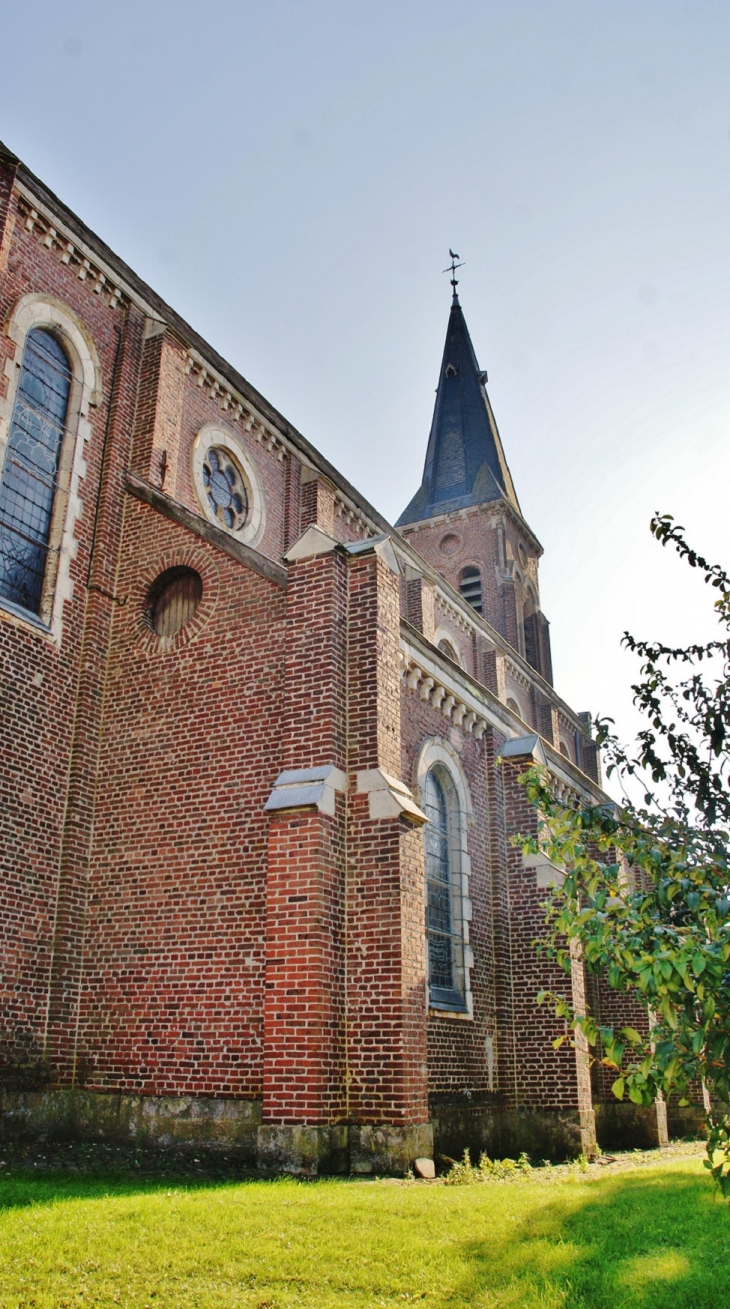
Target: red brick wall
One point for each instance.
(304, 1059)
(507, 974)
(544, 1078)
(172, 996)
(103, 599)
(386, 980)
(345, 1001)
(40, 680)
(304, 1063)
(457, 1057)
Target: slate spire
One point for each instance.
(465, 463)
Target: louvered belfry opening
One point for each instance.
(174, 598)
(470, 586)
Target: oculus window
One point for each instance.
(227, 483)
(173, 599)
(225, 488)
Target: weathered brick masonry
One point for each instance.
(260, 758)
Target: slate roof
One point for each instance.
(465, 463)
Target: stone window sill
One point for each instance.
(461, 1015)
(9, 609)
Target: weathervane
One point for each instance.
(452, 269)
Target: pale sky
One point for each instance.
(290, 176)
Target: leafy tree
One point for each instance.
(646, 895)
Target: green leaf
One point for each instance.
(618, 1088)
(631, 1035)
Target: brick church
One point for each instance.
(260, 756)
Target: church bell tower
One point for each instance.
(465, 518)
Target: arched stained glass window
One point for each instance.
(443, 890)
(30, 474)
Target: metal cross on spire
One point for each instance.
(452, 269)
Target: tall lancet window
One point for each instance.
(443, 889)
(30, 474)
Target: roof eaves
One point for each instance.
(153, 305)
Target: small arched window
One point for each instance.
(470, 585)
(30, 475)
(513, 705)
(447, 648)
(444, 917)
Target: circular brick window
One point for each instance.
(173, 598)
(225, 488)
(449, 544)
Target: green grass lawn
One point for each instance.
(646, 1237)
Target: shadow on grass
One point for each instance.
(42, 1177)
(630, 1242)
(20, 1191)
(92, 1171)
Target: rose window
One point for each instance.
(225, 488)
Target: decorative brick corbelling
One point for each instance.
(234, 406)
(350, 514)
(69, 253)
(432, 682)
(463, 711)
(494, 514)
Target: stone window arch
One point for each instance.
(443, 794)
(55, 378)
(447, 643)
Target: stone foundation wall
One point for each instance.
(505, 1133)
(626, 1126)
(160, 1120)
(233, 1126)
